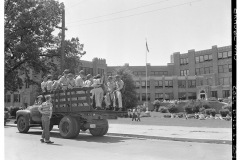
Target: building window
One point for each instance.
(209, 81)
(229, 53)
(169, 84)
(144, 84)
(222, 55)
(191, 83)
(192, 95)
(197, 59)
(159, 73)
(100, 71)
(182, 96)
(214, 94)
(224, 81)
(197, 71)
(158, 84)
(158, 96)
(230, 67)
(211, 69)
(206, 70)
(168, 96)
(184, 72)
(137, 84)
(8, 98)
(16, 98)
(223, 68)
(183, 61)
(226, 93)
(225, 54)
(181, 84)
(210, 57)
(144, 96)
(201, 70)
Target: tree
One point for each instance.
(28, 27)
(129, 94)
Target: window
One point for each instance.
(201, 70)
(191, 83)
(184, 72)
(158, 96)
(158, 84)
(183, 61)
(205, 57)
(137, 84)
(165, 73)
(168, 96)
(211, 69)
(225, 54)
(144, 96)
(220, 55)
(197, 59)
(230, 67)
(16, 98)
(100, 71)
(201, 59)
(144, 84)
(229, 53)
(226, 93)
(223, 68)
(224, 81)
(197, 71)
(210, 57)
(181, 84)
(138, 96)
(192, 95)
(182, 96)
(169, 84)
(8, 98)
(209, 81)
(214, 94)
(159, 73)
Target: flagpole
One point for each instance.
(146, 80)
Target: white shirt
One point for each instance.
(49, 85)
(79, 81)
(43, 86)
(119, 85)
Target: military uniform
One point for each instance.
(118, 94)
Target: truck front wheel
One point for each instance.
(67, 127)
(23, 124)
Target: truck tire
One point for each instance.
(67, 127)
(23, 124)
(99, 131)
(77, 128)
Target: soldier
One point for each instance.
(110, 95)
(44, 84)
(118, 95)
(97, 92)
(80, 79)
(56, 84)
(49, 83)
(63, 80)
(71, 82)
(46, 110)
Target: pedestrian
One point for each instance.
(46, 110)
(80, 79)
(138, 113)
(97, 92)
(117, 93)
(134, 115)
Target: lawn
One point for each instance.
(157, 119)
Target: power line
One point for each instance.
(118, 12)
(190, 2)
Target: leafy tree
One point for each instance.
(129, 94)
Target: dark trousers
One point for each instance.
(134, 116)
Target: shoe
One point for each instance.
(42, 140)
(49, 142)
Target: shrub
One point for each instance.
(227, 106)
(172, 108)
(202, 109)
(163, 109)
(210, 112)
(224, 112)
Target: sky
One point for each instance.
(117, 30)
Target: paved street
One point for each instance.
(112, 146)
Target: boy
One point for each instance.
(46, 110)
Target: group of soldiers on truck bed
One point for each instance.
(110, 92)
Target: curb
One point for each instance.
(160, 138)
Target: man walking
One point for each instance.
(46, 110)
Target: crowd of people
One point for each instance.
(109, 92)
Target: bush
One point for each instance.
(172, 108)
(163, 109)
(228, 106)
(202, 109)
(224, 112)
(210, 112)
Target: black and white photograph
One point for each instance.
(119, 79)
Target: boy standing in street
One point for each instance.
(46, 110)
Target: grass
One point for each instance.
(157, 119)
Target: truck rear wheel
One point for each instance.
(100, 131)
(68, 127)
(23, 124)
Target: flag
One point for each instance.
(147, 46)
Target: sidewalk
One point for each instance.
(175, 133)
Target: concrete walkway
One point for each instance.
(176, 133)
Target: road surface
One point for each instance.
(19, 146)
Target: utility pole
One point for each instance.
(63, 39)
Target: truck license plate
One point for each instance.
(92, 125)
